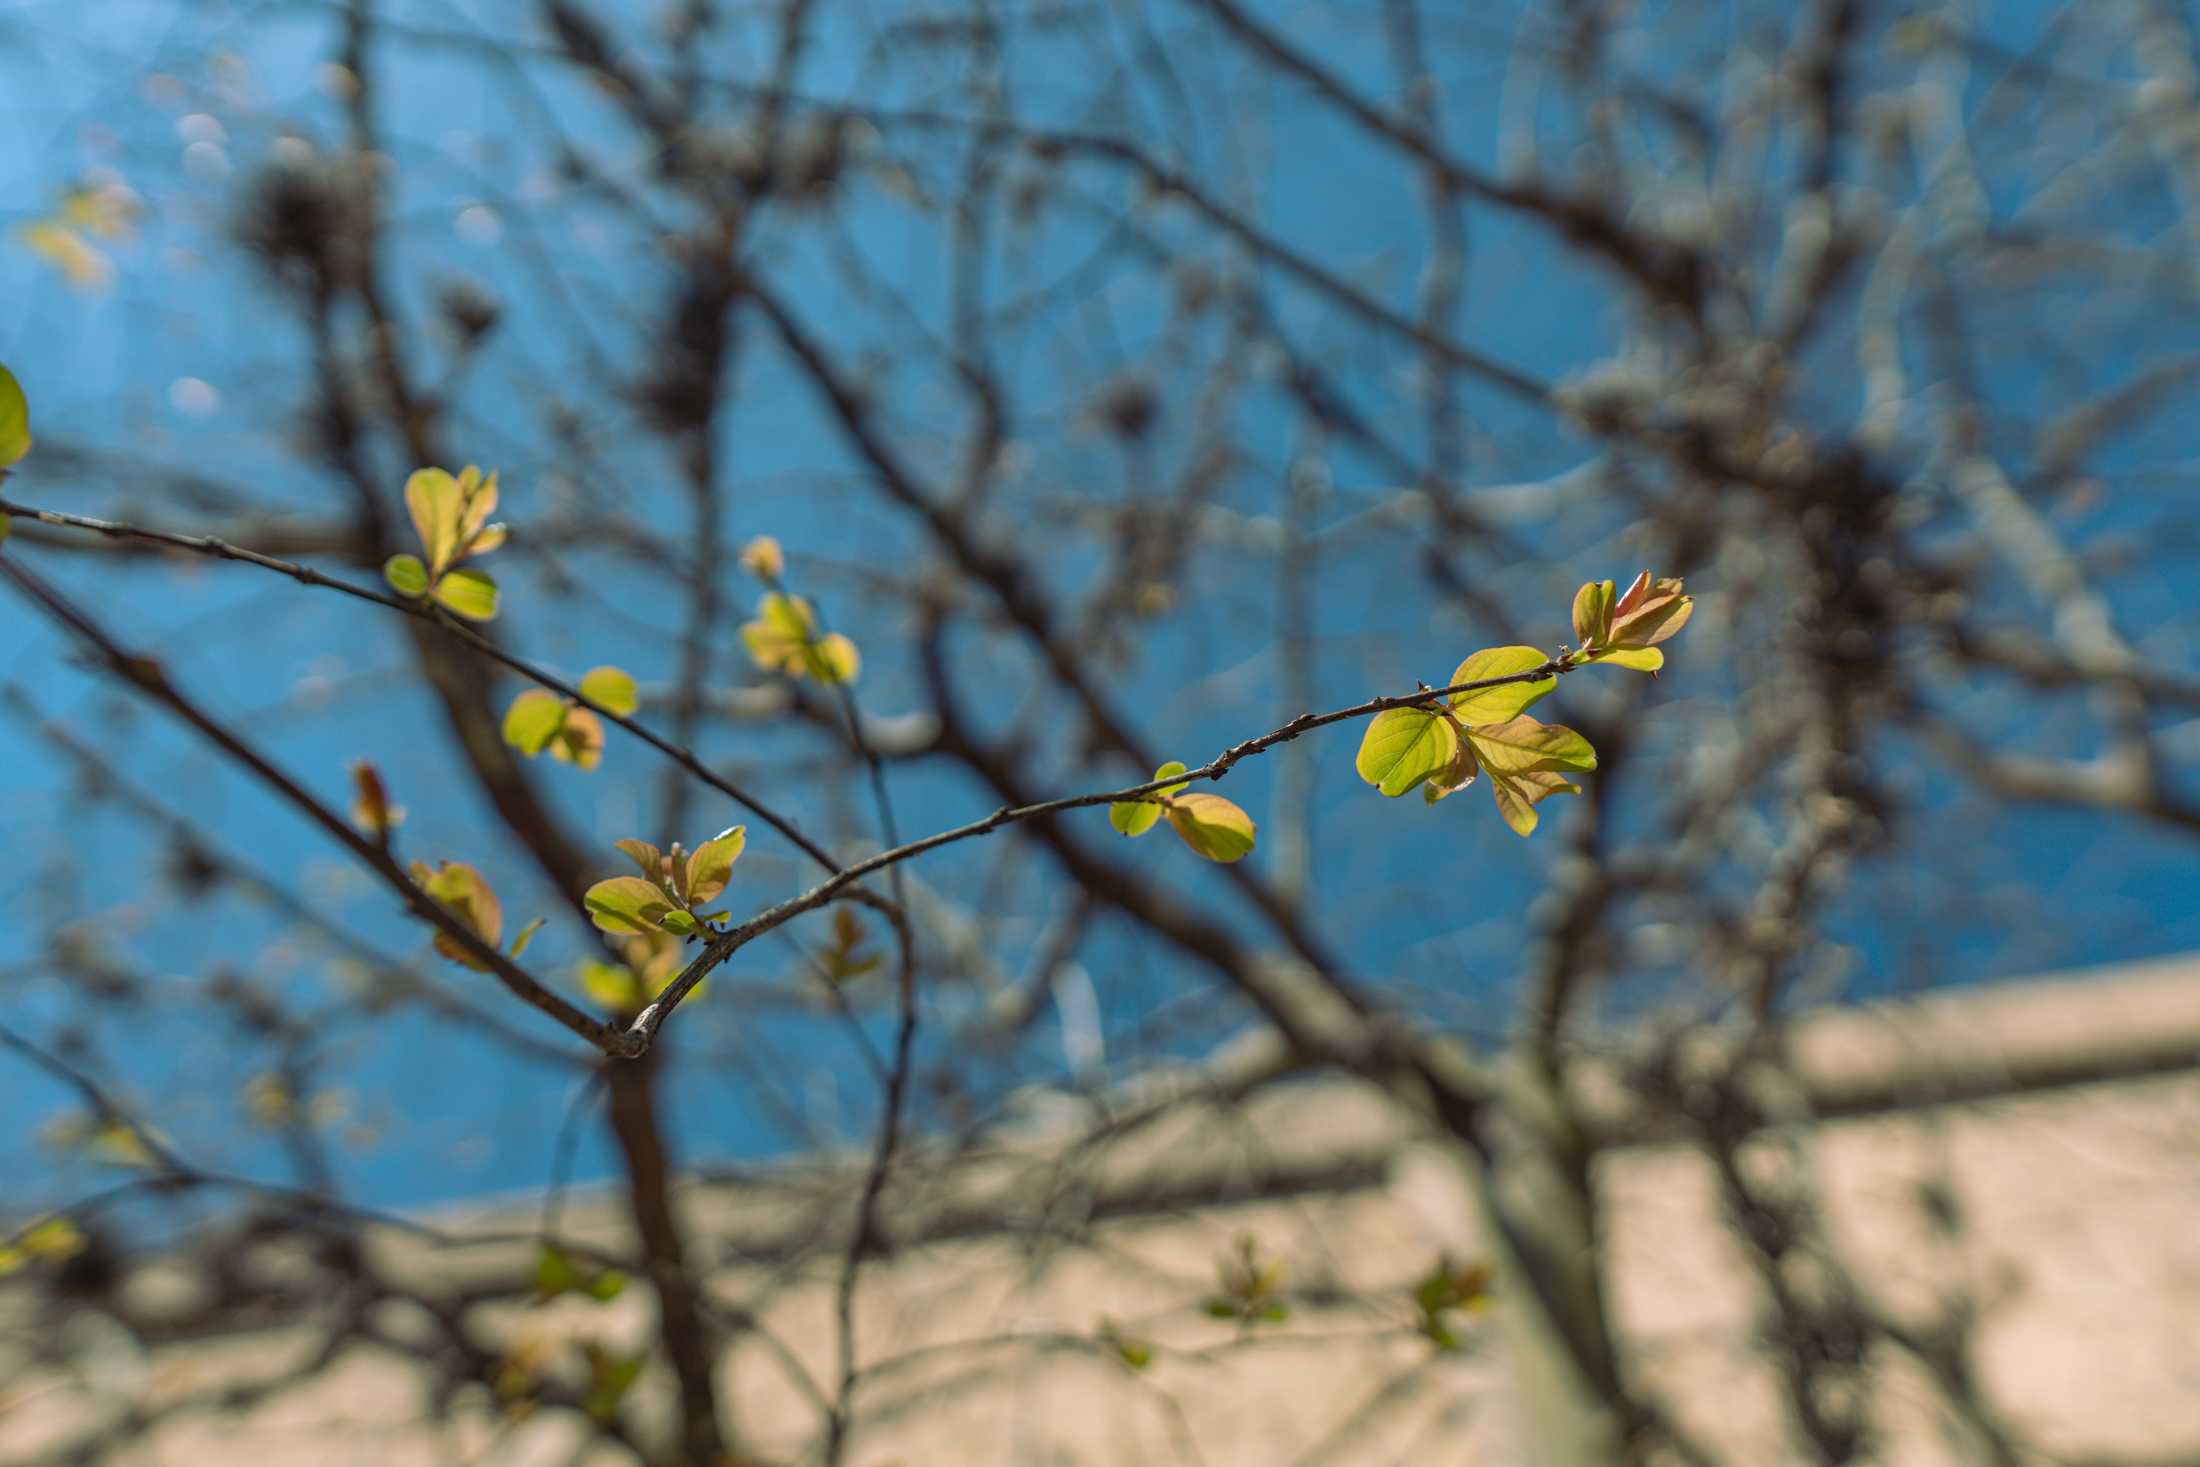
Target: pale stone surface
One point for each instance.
(2080, 1236)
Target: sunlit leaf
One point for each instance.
(406, 575)
(784, 638)
(1519, 791)
(1641, 659)
(579, 740)
(1649, 612)
(679, 922)
(467, 592)
(612, 985)
(526, 935)
(432, 499)
(711, 867)
(533, 720)
(1454, 777)
(763, 558)
(1494, 705)
(462, 892)
(1403, 746)
(834, 659)
(15, 420)
(610, 1376)
(1523, 743)
(1136, 817)
(477, 500)
(644, 855)
(554, 1273)
(1212, 826)
(1592, 613)
(627, 904)
(610, 688)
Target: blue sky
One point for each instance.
(187, 361)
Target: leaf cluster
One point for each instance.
(451, 516)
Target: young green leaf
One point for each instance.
(1518, 791)
(644, 855)
(432, 498)
(612, 985)
(833, 659)
(477, 500)
(1592, 613)
(460, 890)
(1455, 777)
(1640, 659)
(526, 935)
(406, 575)
(1403, 746)
(610, 1376)
(627, 905)
(1522, 743)
(763, 559)
(784, 638)
(711, 867)
(554, 1273)
(579, 740)
(1212, 826)
(1649, 612)
(469, 593)
(610, 688)
(1494, 705)
(1136, 817)
(15, 420)
(533, 720)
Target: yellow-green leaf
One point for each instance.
(477, 500)
(406, 575)
(460, 890)
(15, 420)
(1522, 743)
(533, 720)
(1518, 791)
(833, 659)
(1592, 613)
(1136, 817)
(1455, 776)
(469, 593)
(646, 856)
(579, 740)
(612, 689)
(1641, 659)
(1495, 705)
(554, 1273)
(1403, 746)
(526, 935)
(1212, 826)
(763, 559)
(433, 499)
(711, 867)
(612, 985)
(627, 905)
